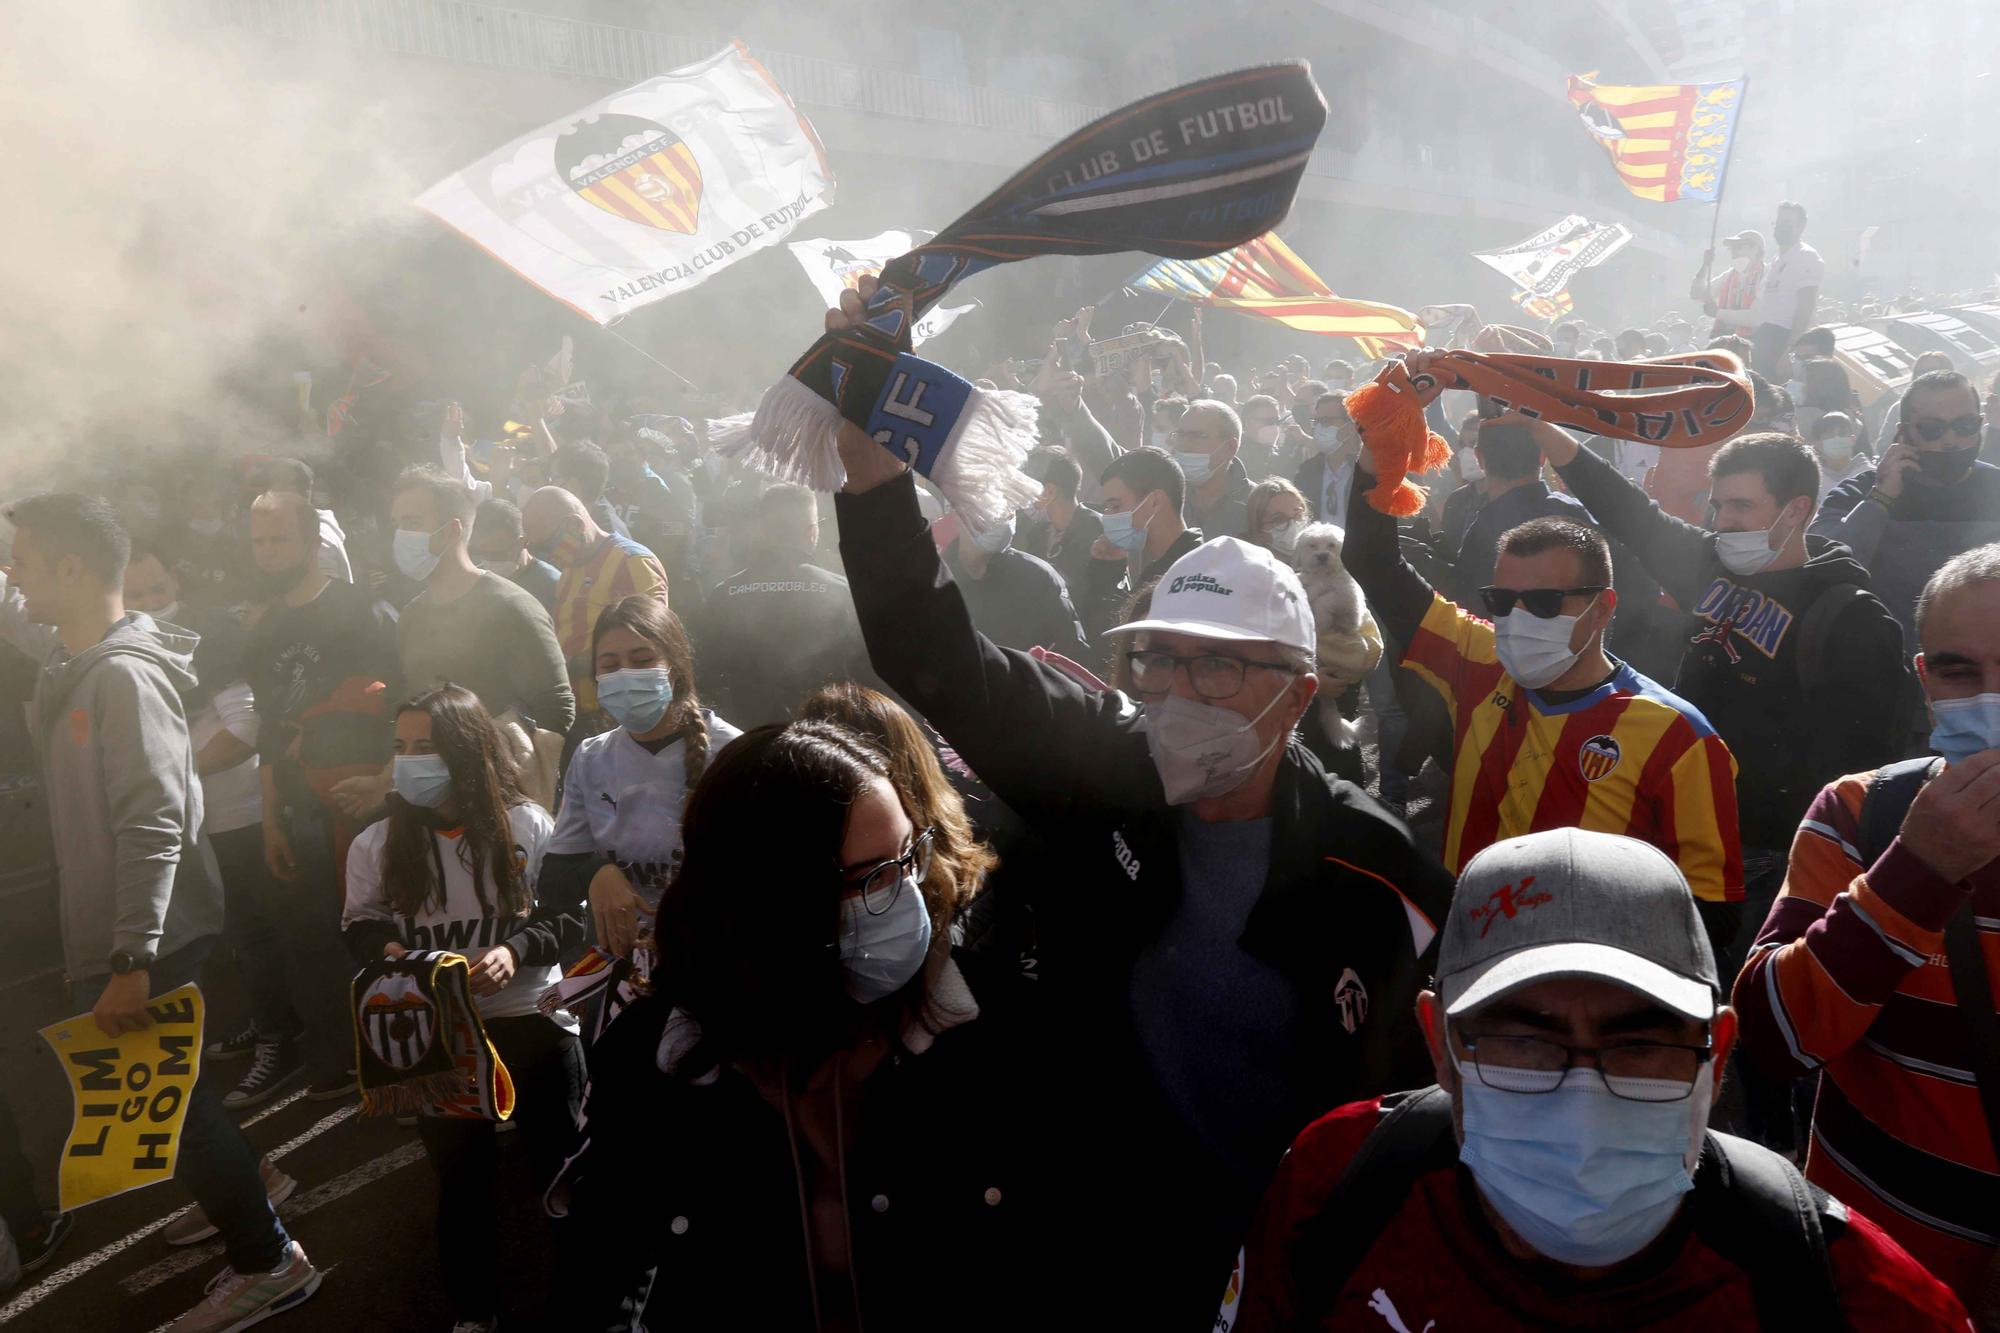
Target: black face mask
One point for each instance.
(1945, 466)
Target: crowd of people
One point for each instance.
(1565, 907)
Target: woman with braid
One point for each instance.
(618, 831)
(453, 867)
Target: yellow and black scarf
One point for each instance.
(419, 1045)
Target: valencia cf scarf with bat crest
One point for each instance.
(419, 1044)
(1676, 402)
(1183, 174)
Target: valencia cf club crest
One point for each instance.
(396, 1021)
(634, 169)
(1597, 756)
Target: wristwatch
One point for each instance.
(123, 961)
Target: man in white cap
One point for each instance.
(1225, 931)
(1562, 1174)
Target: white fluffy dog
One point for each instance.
(1349, 646)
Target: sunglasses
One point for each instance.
(1931, 428)
(1541, 603)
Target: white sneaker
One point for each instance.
(238, 1300)
(476, 1326)
(193, 1226)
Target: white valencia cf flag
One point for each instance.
(1544, 264)
(648, 192)
(838, 266)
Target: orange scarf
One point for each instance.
(1677, 402)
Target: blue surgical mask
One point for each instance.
(880, 954)
(637, 697)
(1585, 1177)
(422, 779)
(995, 539)
(1961, 728)
(412, 551)
(1197, 468)
(1121, 532)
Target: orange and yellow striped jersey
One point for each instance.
(1628, 757)
(616, 568)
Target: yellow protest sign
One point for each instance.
(131, 1095)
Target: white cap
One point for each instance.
(1229, 589)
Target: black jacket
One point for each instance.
(1479, 549)
(1334, 914)
(686, 1187)
(1905, 542)
(1793, 725)
(771, 634)
(1022, 603)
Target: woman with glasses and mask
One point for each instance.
(815, 1119)
(454, 867)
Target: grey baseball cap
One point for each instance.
(1572, 903)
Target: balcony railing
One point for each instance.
(468, 33)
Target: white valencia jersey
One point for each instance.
(461, 924)
(623, 802)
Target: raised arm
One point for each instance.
(1673, 551)
(1397, 594)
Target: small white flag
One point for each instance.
(838, 266)
(648, 192)
(1544, 264)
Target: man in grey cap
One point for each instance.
(1562, 1173)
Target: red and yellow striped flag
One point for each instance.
(1266, 277)
(1667, 141)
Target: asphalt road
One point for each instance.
(364, 1212)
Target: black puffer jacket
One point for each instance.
(688, 1202)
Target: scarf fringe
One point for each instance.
(979, 471)
(793, 436)
(414, 1096)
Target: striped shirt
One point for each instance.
(608, 573)
(1628, 757)
(1848, 978)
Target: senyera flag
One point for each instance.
(1266, 277)
(1667, 141)
(649, 192)
(1181, 174)
(834, 267)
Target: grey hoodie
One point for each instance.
(123, 796)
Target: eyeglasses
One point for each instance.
(1932, 428)
(881, 882)
(1637, 1072)
(1541, 603)
(1213, 675)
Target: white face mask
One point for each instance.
(413, 555)
(1157, 439)
(1201, 750)
(1468, 466)
(1532, 650)
(1285, 536)
(1837, 450)
(1748, 553)
(1264, 435)
(1197, 468)
(1326, 439)
(1741, 263)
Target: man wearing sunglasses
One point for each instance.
(1552, 731)
(1230, 939)
(1561, 1173)
(1929, 499)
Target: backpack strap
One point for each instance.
(1414, 1138)
(1888, 799)
(1752, 1207)
(1817, 626)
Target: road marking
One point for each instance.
(69, 1273)
(200, 1256)
(275, 1107)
